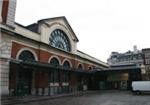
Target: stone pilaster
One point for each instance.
(11, 13)
(5, 55)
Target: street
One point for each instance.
(99, 98)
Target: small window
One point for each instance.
(66, 64)
(54, 61)
(80, 67)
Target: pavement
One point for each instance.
(108, 97)
(13, 100)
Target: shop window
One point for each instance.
(51, 76)
(65, 77)
(56, 76)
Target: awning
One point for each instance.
(36, 65)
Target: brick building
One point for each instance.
(42, 58)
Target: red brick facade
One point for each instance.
(44, 56)
(41, 79)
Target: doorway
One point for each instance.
(24, 82)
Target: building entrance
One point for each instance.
(24, 82)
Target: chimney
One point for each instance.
(7, 10)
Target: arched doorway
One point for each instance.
(24, 75)
(54, 77)
(80, 67)
(65, 77)
(66, 64)
(80, 78)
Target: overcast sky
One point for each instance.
(102, 26)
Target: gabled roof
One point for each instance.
(34, 27)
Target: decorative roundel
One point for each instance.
(59, 40)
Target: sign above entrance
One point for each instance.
(117, 77)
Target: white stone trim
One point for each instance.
(68, 61)
(54, 56)
(58, 24)
(65, 84)
(27, 33)
(26, 49)
(54, 84)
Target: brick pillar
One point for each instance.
(8, 8)
(4, 12)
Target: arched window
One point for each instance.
(90, 68)
(54, 75)
(26, 56)
(59, 39)
(80, 67)
(54, 61)
(66, 64)
(65, 75)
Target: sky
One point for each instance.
(102, 26)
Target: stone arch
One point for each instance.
(80, 66)
(60, 34)
(66, 60)
(62, 27)
(29, 50)
(56, 58)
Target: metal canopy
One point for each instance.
(120, 69)
(36, 65)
